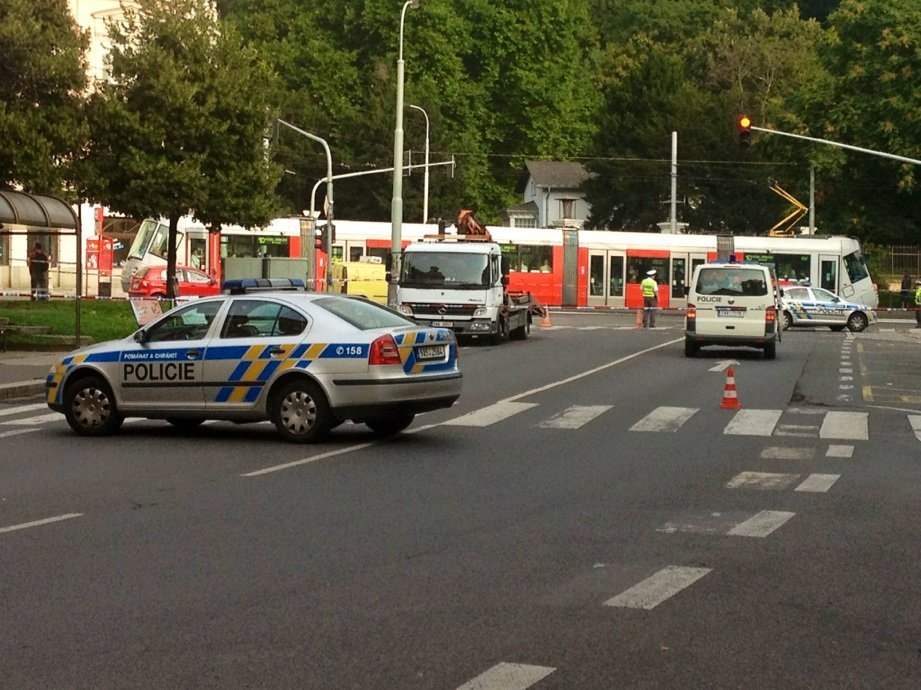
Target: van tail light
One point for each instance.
(691, 312)
(770, 314)
(384, 350)
(690, 322)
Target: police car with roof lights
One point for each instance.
(813, 306)
(306, 361)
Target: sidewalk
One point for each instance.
(22, 374)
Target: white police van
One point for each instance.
(734, 304)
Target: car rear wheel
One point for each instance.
(857, 322)
(90, 409)
(300, 412)
(787, 320)
(690, 348)
(391, 424)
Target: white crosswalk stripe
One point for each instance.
(657, 588)
(762, 524)
(852, 426)
(753, 423)
(574, 417)
(507, 676)
(665, 419)
(492, 414)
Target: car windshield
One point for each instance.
(747, 282)
(363, 314)
(456, 270)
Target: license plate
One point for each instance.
(430, 352)
(441, 324)
(731, 312)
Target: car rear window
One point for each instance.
(746, 282)
(362, 314)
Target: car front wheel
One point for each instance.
(787, 320)
(857, 322)
(300, 412)
(90, 409)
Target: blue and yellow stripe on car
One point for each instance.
(407, 342)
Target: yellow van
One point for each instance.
(365, 278)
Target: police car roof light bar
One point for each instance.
(241, 286)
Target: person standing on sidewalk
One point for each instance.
(38, 271)
(918, 303)
(650, 290)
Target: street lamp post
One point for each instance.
(396, 204)
(329, 198)
(425, 184)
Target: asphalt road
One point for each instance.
(587, 516)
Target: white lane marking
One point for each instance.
(845, 426)
(753, 423)
(761, 524)
(665, 419)
(761, 480)
(17, 432)
(786, 453)
(574, 417)
(590, 372)
(839, 452)
(801, 430)
(6, 411)
(506, 676)
(846, 370)
(915, 421)
(32, 421)
(39, 523)
(490, 415)
(658, 587)
(818, 483)
(723, 365)
(306, 461)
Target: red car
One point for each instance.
(150, 281)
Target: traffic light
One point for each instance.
(745, 130)
(322, 235)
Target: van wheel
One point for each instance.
(770, 350)
(300, 412)
(690, 348)
(787, 320)
(857, 322)
(90, 409)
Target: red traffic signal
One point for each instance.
(745, 130)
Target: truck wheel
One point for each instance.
(89, 407)
(501, 331)
(522, 332)
(300, 412)
(391, 424)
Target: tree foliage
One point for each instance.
(42, 78)
(177, 130)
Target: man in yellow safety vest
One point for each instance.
(650, 291)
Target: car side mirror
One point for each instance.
(140, 336)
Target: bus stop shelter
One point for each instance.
(49, 215)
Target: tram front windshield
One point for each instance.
(151, 237)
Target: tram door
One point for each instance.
(606, 278)
(683, 266)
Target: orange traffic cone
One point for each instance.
(545, 322)
(730, 399)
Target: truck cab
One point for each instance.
(462, 285)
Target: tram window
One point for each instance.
(4, 250)
(638, 266)
(786, 266)
(355, 253)
(856, 268)
(529, 258)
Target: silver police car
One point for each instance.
(306, 361)
(813, 306)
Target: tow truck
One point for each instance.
(460, 281)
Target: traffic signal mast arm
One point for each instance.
(903, 159)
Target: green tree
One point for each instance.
(177, 130)
(42, 80)
(874, 54)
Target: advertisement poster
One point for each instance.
(99, 258)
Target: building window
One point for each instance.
(523, 221)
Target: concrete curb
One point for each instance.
(21, 389)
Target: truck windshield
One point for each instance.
(460, 271)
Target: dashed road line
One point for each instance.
(762, 524)
(818, 483)
(508, 676)
(658, 588)
(39, 523)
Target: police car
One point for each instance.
(812, 306)
(306, 361)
